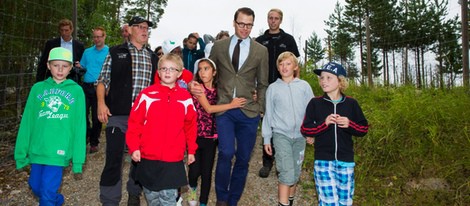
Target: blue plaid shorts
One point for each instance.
(334, 181)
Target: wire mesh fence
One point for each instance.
(24, 28)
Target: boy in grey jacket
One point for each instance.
(286, 100)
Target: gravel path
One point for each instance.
(258, 191)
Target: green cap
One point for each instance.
(60, 53)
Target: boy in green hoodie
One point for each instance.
(53, 130)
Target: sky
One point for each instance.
(301, 18)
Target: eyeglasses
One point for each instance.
(242, 25)
(159, 53)
(170, 69)
(144, 28)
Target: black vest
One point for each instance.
(119, 99)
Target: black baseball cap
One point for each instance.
(138, 20)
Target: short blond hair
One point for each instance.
(277, 11)
(288, 55)
(173, 58)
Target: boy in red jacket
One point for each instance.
(162, 124)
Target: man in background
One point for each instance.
(92, 61)
(277, 41)
(66, 41)
(125, 32)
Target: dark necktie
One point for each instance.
(236, 55)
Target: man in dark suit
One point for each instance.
(241, 72)
(65, 40)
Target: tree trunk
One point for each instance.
(394, 67)
(418, 68)
(424, 81)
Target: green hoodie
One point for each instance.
(53, 126)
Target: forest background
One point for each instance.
(416, 152)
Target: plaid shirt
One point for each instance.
(141, 70)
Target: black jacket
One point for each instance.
(332, 142)
(119, 98)
(276, 44)
(42, 71)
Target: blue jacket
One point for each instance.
(190, 56)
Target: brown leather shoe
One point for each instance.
(93, 149)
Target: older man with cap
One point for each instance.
(128, 68)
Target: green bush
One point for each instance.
(414, 134)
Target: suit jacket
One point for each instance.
(43, 72)
(252, 75)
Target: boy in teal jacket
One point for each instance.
(53, 130)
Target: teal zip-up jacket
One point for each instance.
(53, 126)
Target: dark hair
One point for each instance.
(198, 78)
(222, 34)
(191, 35)
(65, 22)
(158, 48)
(244, 10)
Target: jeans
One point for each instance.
(237, 136)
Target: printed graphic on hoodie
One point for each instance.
(55, 104)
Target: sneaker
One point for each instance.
(264, 172)
(179, 202)
(134, 200)
(192, 196)
(93, 149)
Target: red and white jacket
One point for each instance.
(162, 124)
